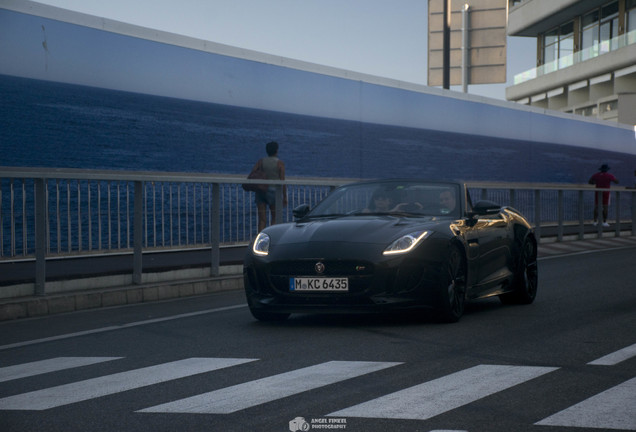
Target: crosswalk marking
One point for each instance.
(616, 357)
(25, 370)
(612, 409)
(435, 397)
(249, 394)
(110, 384)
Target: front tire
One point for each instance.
(453, 286)
(526, 278)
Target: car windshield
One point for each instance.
(407, 198)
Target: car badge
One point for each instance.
(319, 267)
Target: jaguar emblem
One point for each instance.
(319, 267)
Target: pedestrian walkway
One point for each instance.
(33, 306)
(549, 249)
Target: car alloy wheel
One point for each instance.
(526, 277)
(453, 280)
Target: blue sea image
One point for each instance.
(47, 124)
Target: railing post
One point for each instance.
(560, 216)
(138, 228)
(513, 198)
(618, 214)
(634, 213)
(599, 214)
(537, 214)
(215, 231)
(279, 204)
(40, 237)
(581, 217)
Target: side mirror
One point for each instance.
(484, 207)
(301, 211)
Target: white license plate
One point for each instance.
(318, 284)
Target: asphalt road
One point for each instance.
(565, 363)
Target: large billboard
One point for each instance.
(364, 125)
(486, 60)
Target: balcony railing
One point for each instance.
(46, 213)
(594, 51)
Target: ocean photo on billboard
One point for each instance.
(48, 124)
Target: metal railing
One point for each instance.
(48, 213)
(52, 212)
(598, 49)
(559, 205)
(85, 215)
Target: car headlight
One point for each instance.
(406, 243)
(261, 244)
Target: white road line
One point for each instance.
(25, 370)
(616, 357)
(246, 395)
(435, 397)
(110, 384)
(625, 240)
(563, 246)
(582, 252)
(612, 409)
(119, 327)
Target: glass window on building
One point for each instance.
(589, 111)
(566, 44)
(609, 106)
(630, 8)
(589, 35)
(609, 26)
(558, 47)
(551, 46)
(599, 27)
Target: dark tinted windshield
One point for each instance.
(406, 198)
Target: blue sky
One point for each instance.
(387, 38)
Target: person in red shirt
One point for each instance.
(602, 180)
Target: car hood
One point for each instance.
(351, 229)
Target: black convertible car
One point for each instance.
(392, 244)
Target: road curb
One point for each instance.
(29, 307)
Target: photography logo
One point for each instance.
(298, 424)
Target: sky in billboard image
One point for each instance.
(376, 37)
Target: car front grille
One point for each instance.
(335, 268)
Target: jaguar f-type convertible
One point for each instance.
(388, 245)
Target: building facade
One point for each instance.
(586, 57)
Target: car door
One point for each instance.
(487, 241)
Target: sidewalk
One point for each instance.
(34, 306)
(552, 248)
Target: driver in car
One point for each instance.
(447, 201)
